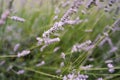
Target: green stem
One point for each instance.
(8, 56)
(95, 69)
(39, 72)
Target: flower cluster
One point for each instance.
(59, 25)
(4, 17)
(85, 46)
(23, 53)
(50, 41)
(87, 67)
(107, 38)
(100, 78)
(16, 47)
(21, 72)
(90, 3)
(116, 23)
(74, 8)
(56, 49)
(110, 3)
(47, 42)
(64, 4)
(57, 10)
(76, 21)
(110, 66)
(16, 18)
(69, 61)
(2, 62)
(40, 64)
(74, 76)
(62, 55)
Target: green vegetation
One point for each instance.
(57, 60)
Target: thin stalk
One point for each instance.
(39, 72)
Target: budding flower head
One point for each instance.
(62, 64)
(110, 67)
(76, 21)
(2, 62)
(65, 4)
(85, 46)
(57, 10)
(56, 49)
(23, 53)
(2, 22)
(87, 67)
(113, 49)
(20, 72)
(16, 18)
(40, 64)
(40, 40)
(16, 47)
(55, 17)
(58, 71)
(117, 23)
(100, 79)
(43, 47)
(62, 55)
(74, 76)
(108, 61)
(50, 41)
(5, 15)
(111, 70)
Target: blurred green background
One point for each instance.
(38, 15)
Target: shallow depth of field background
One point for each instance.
(39, 17)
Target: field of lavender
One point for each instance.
(59, 39)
